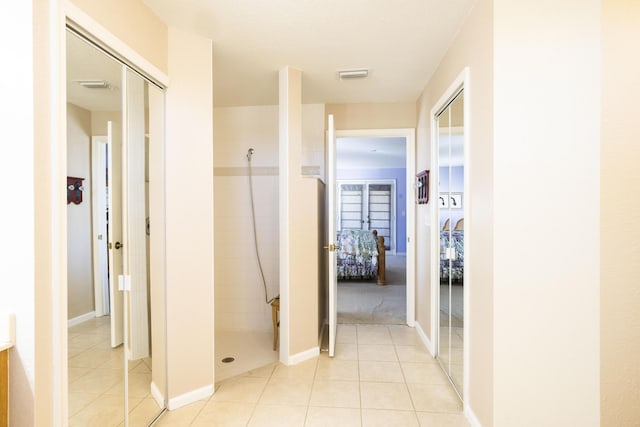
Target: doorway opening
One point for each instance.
(371, 177)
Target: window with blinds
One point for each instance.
(368, 206)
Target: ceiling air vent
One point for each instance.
(353, 74)
(94, 84)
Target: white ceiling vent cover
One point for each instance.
(353, 74)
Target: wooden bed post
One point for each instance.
(382, 257)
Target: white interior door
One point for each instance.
(114, 178)
(331, 235)
(99, 213)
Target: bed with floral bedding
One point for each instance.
(360, 255)
(452, 267)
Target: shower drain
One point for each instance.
(228, 359)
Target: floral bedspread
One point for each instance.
(358, 255)
(457, 262)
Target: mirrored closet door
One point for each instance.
(450, 140)
(115, 145)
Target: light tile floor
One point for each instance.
(96, 380)
(381, 376)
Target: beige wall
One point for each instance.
(99, 121)
(134, 23)
(79, 260)
(189, 219)
(240, 300)
(313, 139)
(619, 213)
(472, 48)
(373, 115)
(546, 264)
(298, 229)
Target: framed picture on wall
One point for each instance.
(443, 201)
(455, 201)
(450, 200)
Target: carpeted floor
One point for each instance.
(366, 302)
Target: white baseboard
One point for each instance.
(471, 417)
(294, 359)
(425, 340)
(80, 319)
(157, 394)
(190, 397)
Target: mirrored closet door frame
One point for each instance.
(443, 257)
(142, 284)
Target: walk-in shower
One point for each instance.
(246, 262)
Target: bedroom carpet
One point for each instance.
(366, 302)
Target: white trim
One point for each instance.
(190, 397)
(424, 338)
(157, 394)
(410, 143)
(471, 416)
(461, 82)
(81, 319)
(87, 23)
(294, 359)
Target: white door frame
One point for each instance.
(410, 146)
(99, 233)
(461, 81)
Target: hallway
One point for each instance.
(381, 376)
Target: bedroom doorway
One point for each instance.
(375, 192)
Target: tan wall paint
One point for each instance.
(134, 23)
(99, 121)
(619, 213)
(472, 48)
(79, 260)
(306, 246)
(546, 213)
(399, 115)
(313, 137)
(298, 225)
(189, 216)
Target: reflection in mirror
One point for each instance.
(450, 140)
(94, 123)
(105, 323)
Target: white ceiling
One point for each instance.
(84, 62)
(370, 153)
(400, 42)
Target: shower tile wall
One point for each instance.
(239, 295)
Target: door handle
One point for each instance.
(117, 245)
